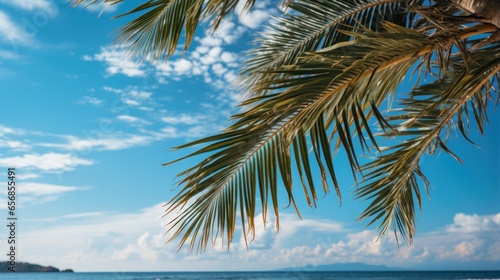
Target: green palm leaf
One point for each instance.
(315, 25)
(314, 83)
(392, 179)
(322, 90)
(160, 24)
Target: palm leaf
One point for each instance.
(258, 145)
(314, 83)
(159, 25)
(391, 181)
(315, 25)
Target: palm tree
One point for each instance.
(314, 83)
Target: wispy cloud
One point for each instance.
(9, 55)
(9, 141)
(454, 243)
(132, 120)
(27, 176)
(104, 142)
(100, 240)
(209, 60)
(37, 193)
(23, 32)
(90, 100)
(117, 61)
(48, 162)
(136, 241)
(40, 189)
(112, 141)
(4, 130)
(14, 145)
(11, 33)
(182, 119)
(126, 118)
(34, 5)
(131, 97)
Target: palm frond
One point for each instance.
(159, 25)
(158, 29)
(326, 88)
(315, 81)
(87, 3)
(314, 25)
(392, 180)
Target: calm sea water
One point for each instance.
(392, 275)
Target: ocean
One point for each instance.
(295, 275)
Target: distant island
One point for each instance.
(341, 267)
(29, 267)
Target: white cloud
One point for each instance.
(255, 18)
(111, 89)
(164, 68)
(117, 61)
(142, 249)
(14, 145)
(181, 119)
(210, 41)
(230, 77)
(49, 162)
(319, 242)
(27, 176)
(228, 57)
(101, 241)
(34, 5)
(12, 33)
(127, 118)
(132, 120)
(202, 49)
(131, 96)
(198, 62)
(4, 130)
(494, 251)
(36, 193)
(212, 56)
(218, 69)
(90, 100)
(41, 189)
(260, 14)
(182, 66)
(112, 141)
(229, 32)
(463, 223)
(131, 102)
(467, 248)
(138, 94)
(136, 241)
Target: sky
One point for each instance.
(87, 130)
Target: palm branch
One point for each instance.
(314, 83)
(426, 119)
(159, 25)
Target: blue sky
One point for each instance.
(88, 129)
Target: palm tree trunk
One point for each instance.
(487, 9)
